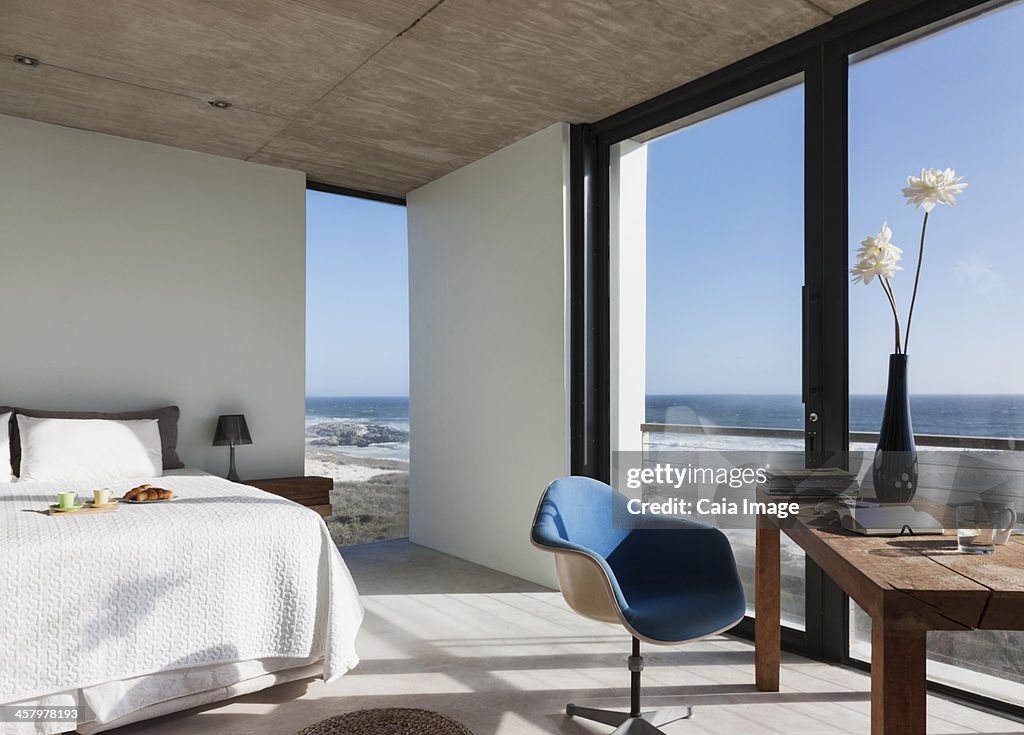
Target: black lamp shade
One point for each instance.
(231, 431)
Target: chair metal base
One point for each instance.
(646, 724)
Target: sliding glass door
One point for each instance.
(951, 98)
(708, 333)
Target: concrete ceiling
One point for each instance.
(377, 95)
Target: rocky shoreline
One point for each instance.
(354, 434)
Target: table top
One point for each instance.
(922, 577)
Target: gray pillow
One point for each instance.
(167, 422)
(10, 429)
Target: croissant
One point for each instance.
(136, 491)
(148, 492)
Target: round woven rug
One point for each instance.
(390, 721)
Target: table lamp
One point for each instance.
(231, 431)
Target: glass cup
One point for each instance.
(1003, 515)
(975, 529)
(66, 499)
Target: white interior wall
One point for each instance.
(488, 345)
(137, 275)
(628, 294)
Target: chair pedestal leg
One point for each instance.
(647, 723)
(633, 722)
(637, 726)
(670, 714)
(604, 716)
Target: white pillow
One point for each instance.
(89, 449)
(6, 475)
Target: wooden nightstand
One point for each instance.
(313, 492)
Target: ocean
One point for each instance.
(391, 411)
(385, 410)
(962, 415)
(957, 415)
(966, 415)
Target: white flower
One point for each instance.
(874, 246)
(877, 256)
(933, 187)
(868, 268)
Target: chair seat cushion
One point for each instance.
(677, 585)
(659, 614)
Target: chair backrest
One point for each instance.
(576, 521)
(580, 512)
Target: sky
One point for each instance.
(357, 297)
(725, 238)
(725, 228)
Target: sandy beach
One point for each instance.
(370, 500)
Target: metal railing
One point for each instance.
(923, 440)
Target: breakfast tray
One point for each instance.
(87, 508)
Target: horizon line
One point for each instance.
(671, 395)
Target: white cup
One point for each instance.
(101, 496)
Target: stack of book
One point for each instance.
(819, 482)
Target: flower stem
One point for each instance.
(917, 278)
(887, 287)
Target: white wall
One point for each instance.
(135, 275)
(628, 297)
(488, 344)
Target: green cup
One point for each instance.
(66, 499)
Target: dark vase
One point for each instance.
(895, 467)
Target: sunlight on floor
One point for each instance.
(367, 685)
(511, 722)
(504, 656)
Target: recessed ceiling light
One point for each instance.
(220, 104)
(25, 60)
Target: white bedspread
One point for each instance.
(223, 573)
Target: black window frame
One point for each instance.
(821, 56)
(344, 191)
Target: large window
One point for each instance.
(750, 195)
(724, 271)
(357, 363)
(950, 99)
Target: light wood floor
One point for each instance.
(504, 656)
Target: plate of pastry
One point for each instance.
(147, 494)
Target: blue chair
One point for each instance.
(667, 582)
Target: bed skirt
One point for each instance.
(114, 704)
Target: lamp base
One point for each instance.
(232, 473)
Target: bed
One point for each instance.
(155, 608)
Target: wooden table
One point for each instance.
(908, 585)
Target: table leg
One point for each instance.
(898, 679)
(767, 621)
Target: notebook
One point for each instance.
(889, 521)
